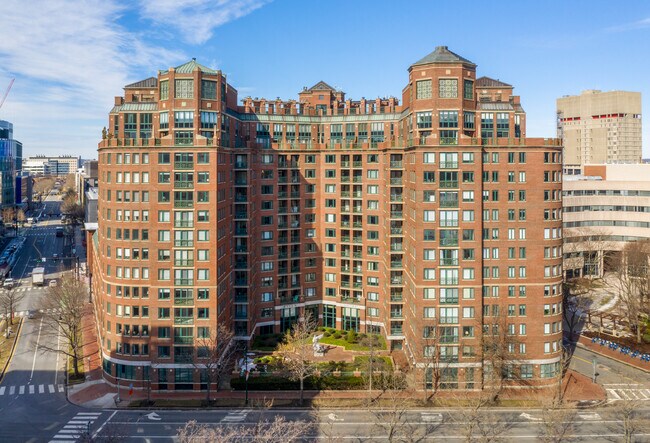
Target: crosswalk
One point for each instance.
(235, 416)
(76, 427)
(624, 391)
(25, 313)
(27, 289)
(31, 389)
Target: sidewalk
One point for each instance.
(637, 363)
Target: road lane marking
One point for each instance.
(51, 389)
(61, 388)
(36, 349)
(2, 390)
(12, 390)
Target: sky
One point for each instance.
(70, 58)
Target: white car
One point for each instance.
(9, 283)
(53, 283)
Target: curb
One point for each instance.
(580, 345)
(13, 349)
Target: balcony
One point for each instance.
(396, 281)
(241, 282)
(397, 247)
(357, 225)
(357, 209)
(449, 242)
(241, 165)
(447, 184)
(241, 232)
(282, 179)
(183, 340)
(183, 223)
(356, 194)
(345, 284)
(397, 264)
(345, 164)
(241, 198)
(449, 262)
(396, 297)
(184, 243)
(347, 299)
(396, 231)
(295, 195)
(396, 214)
(395, 181)
(396, 197)
(357, 179)
(184, 301)
(183, 204)
(448, 165)
(287, 164)
(283, 194)
(241, 216)
(357, 255)
(357, 285)
(180, 184)
(396, 330)
(357, 164)
(345, 253)
(241, 265)
(449, 203)
(345, 238)
(184, 282)
(183, 320)
(185, 262)
(448, 141)
(345, 224)
(240, 249)
(396, 314)
(345, 194)
(183, 165)
(345, 179)
(396, 164)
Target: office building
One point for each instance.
(604, 209)
(9, 150)
(57, 166)
(599, 127)
(425, 218)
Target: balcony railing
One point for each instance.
(396, 214)
(241, 282)
(183, 262)
(184, 243)
(395, 181)
(241, 165)
(449, 262)
(183, 165)
(241, 215)
(396, 330)
(182, 184)
(447, 184)
(448, 165)
(183, 204)
(183, 223)
(184, 281)
(184, 301)
(184, 340)
(183, 320)
(396, 164)
(448, 203)
(241, 249)
(396, 231)
(396, 197)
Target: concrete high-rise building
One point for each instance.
(599, 127)
(429, 222)
(48, 165)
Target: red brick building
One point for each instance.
(434, 222)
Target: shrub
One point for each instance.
(351, 337)
(337, 335)
(326, 334)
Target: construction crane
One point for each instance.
(4, 97)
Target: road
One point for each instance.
(32, 394)
(358, 425)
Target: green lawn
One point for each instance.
(354, 346)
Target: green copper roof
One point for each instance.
(189, 67)
(442, 55)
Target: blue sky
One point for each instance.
(71, 57)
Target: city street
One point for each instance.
(32, 394)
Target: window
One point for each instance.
(448, 88)
(184, 88)
(423, 89)
(423, 120)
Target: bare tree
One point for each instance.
(297, 351)
(633, 421)
(498, 346)
(63, 306)
(557, 423)
(43, 185)
(9, 300)
(73, 209)
(588, 250)
(576, 301)
(392, 413)
(215, 355)
(631, 281)
(279, 429)
(478, 422)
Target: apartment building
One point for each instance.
(604, 209)
(426, 219)
(599, 127)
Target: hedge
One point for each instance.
(274, 383)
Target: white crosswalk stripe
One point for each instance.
(31, 389)
(638, 394)
(75, 427)
(235, 416)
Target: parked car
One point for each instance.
(31, 314)
(9, 283)
(53, 283)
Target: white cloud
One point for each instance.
(70, 59)
(639, 24)
(196, 19)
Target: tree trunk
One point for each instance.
(75, 365)
(302, 389)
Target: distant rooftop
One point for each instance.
(487, 82)
(151, 82)
(189, 67)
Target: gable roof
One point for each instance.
(151, 82)
(487, 82)
(189, 67)
(321, 86)
(442, 54)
